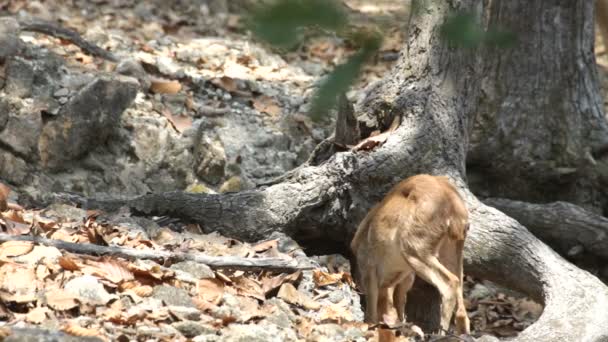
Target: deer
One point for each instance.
(422, 220)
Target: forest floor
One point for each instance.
(120, 299)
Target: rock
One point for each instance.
(487, 338)
(197, 270)
(43, 335)
(185, 313)
(10, 44)
(190, 328)
(131, 67)
(172, 296)
(86, 121)
(4, 112)
(233, 184)
(19, 77)
(62, 92)
(88, 289)
(211, 160)
(21, 133)
(14, 169)
(65, 211)
(257, 333)
(480, 291)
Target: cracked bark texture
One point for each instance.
(435, 90)
(540, 122)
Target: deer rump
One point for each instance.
(420, 221)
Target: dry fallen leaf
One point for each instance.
(266, 104)
(248, 287)
(75, 330)
(210, 290)
(323, 278)
(226, 83)
(68, 263)
(291, 295)
(4, 191)
(60, 300)
(179, 122)
(262, 246)
(165, 87)
(37, 315)
(109, 269)
(15, 248)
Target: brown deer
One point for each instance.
(421, 220)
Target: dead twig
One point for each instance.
(231, 262)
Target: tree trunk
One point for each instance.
(434, 89)
(540, 124)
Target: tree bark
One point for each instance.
(434, 89)
(540, 124)
(564, 226)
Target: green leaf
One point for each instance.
(280, 22)
(338, 81)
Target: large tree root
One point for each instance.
(564, 226)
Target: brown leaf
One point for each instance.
(109, 269)
(60, 300)
(335, 312)
(262, 246)
(226, 83)
(266, 104)
(323, 278)
(210, 290)
(165, 87)
(270, 284)
(37, 315)
(291, 295)
(179, 122)
(68, 263)
(248, 287)
(76, 330)
(15, 227)
(15, 248)
(4, 191)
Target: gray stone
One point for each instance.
(19, 77)
(211, 160)
(131, 67)
(10, 44)
(191, 328)
(197, 270)
(86, 121)
(185, 313)
(21, 133)
(257, 333)
(62, 92)
(65, 211)
(173, 296)
(14, 169)
(4, 112)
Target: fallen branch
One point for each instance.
(231, 262)
(562, 225)
(54, 30)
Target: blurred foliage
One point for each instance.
(463, 30)
(281, 23)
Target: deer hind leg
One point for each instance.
(461, 320)
(433, 272)
(400, 294)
